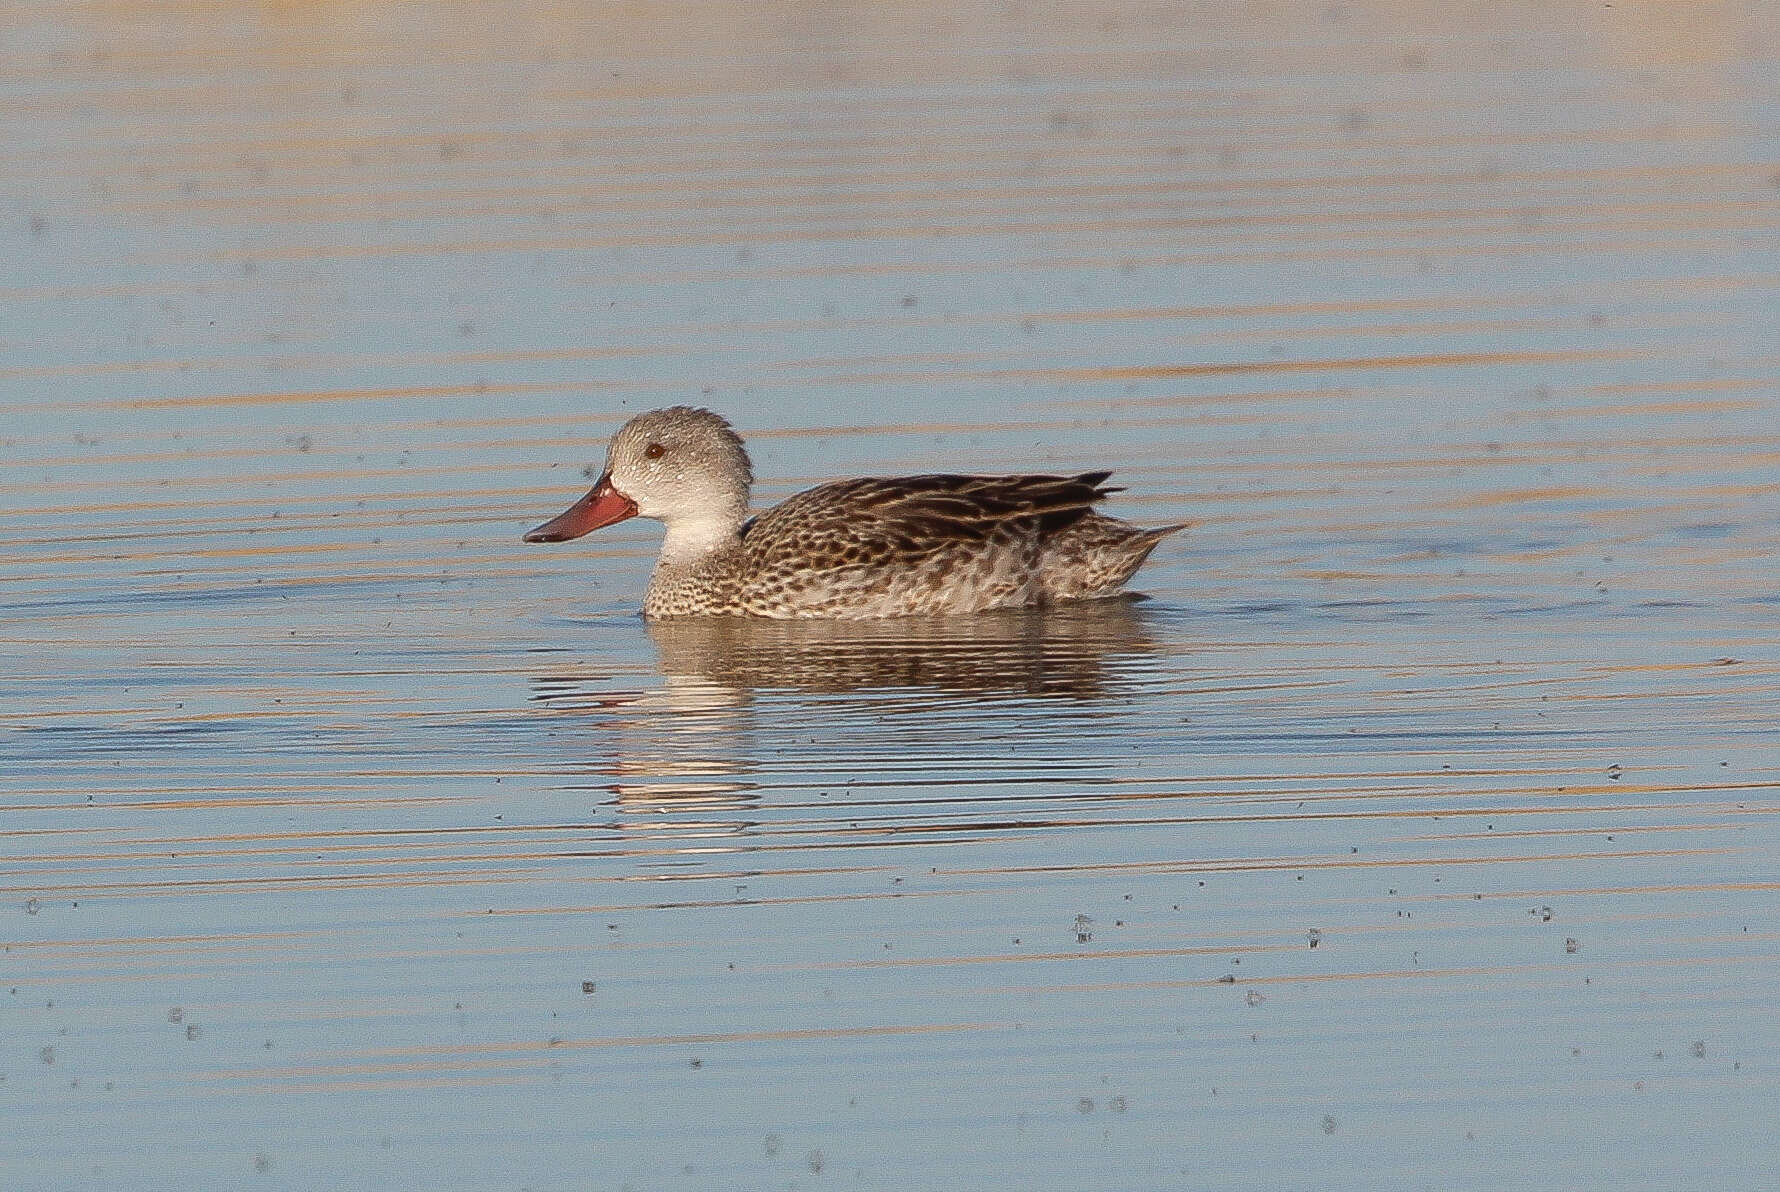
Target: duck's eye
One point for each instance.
(654, 451)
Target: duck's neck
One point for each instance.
(692, 540)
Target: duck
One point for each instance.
(856, 549)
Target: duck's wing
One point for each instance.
(901, 520)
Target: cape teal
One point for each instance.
(905, 546)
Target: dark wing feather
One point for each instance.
(907, 518)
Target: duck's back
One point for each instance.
(930, 544)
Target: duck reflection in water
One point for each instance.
(695, 742)
(1067, 651)
(680, 747)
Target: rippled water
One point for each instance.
(1418, 831)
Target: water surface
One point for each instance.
(1419, 830)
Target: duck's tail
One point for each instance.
(1096, 555)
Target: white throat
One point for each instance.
(690, 539)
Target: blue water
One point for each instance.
(1418, 830)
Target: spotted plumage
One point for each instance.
(853, 548)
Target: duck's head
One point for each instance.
(682, 466)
